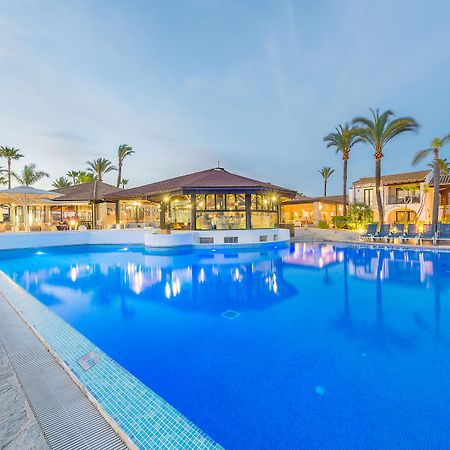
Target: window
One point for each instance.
(367, 196)
(210, 202)
(231, 201)
(240, 201)
(405, 216)
(200, 202)
(220, 201)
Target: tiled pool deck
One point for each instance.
(142, 418)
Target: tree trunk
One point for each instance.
(9, 174)
(378, 188)
(436, 175)
(325, 188)
(119, 174)
(345, 158)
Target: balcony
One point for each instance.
(408, 199)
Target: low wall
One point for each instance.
(137, 236)
(56, 238)
(318, 234)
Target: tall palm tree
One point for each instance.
(74, 174)
(326, 173)
(343, 140)
(61, 182)
(378, 131)
(10, 153)
(123, 182)
(436, 145)
(123, 151)
(29, 175)
(100, 167)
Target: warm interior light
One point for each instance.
(166, 198)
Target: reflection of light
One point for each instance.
(176, 287)
(73, 273)
(40, 253)
(201, 276)
(167, 291)
(124, 249)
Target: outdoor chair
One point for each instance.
(398, 232)
(370, 233)
(411, 232)
(384, 233)
(428, 234)
(443, 233)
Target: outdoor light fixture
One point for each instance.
(166, 198)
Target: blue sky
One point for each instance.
(253, 84)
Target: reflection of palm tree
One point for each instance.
(379, 291)
(437, 297)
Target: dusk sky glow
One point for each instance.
(255, 85)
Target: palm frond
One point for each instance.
(421, 155)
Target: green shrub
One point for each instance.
(359, 215)
(340, 222)
(323, 224)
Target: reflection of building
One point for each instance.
(210, 199)
(310, 210)
(404, 196)
(312, 255)
(398, 266)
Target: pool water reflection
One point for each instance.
(332, 346)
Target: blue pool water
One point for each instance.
(332, 347)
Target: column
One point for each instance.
(248, 211)
(193, 212)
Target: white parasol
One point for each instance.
(25, 195)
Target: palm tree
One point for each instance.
(10, 153)
(74, 174)
(29, 175)
(123, 182)
(85, 177)
(100, 167)
(378, 131)
(3, 179)
(61, 182)
(326, 173)
(124, 151)
(436, 145)
(444, 166)
(343, 140)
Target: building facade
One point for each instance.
(407, 197)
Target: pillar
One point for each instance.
(193, 212)
(248, 211)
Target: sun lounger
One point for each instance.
(411, 232)
(443, 233)
(370, 233)
(384, 233)
(398, 232)
(428, 234)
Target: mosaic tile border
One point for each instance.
(142, 418)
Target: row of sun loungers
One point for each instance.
(385, 233)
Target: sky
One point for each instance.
(253, 84)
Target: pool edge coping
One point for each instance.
(5, 280)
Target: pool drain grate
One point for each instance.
(229, 314)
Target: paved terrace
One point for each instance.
(40, 406)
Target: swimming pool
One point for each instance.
(308, 346)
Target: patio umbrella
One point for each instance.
(25, 195)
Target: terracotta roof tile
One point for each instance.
(333, 199)
(205, 179)
(95, 190)
(396, 178)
